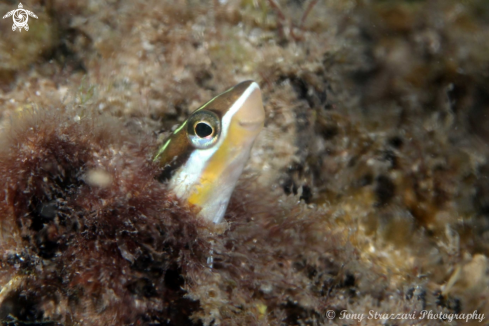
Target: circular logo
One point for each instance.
(20, 18)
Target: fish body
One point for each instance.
(204, 157)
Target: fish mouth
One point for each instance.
(251, 116)
(251, 125)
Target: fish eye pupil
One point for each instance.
(203, 130)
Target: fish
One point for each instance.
(204, 157)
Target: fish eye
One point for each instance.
(203, 129)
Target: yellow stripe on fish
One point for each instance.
(204, 157)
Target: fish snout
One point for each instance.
(252, 115)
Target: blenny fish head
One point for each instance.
(204, 157)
